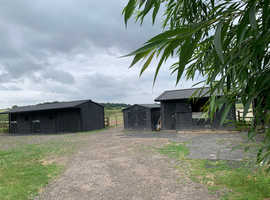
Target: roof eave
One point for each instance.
(28, 111)
(159, 100)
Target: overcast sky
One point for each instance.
(69, 50)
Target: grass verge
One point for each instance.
(26, 168)
(3, 130)
(23, 170)
(232, 180)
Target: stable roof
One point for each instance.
(46, 106)
(151, 106)
(183, 94)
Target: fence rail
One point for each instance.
(113, 121)
(249, 115)
(4, 125)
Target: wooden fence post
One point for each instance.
(107, 121)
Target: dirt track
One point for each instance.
(114, 165)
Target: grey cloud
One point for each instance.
(62, 25)
(58, 76)
(69, 49)
(9, 88)
(106, 87)
(41, 29)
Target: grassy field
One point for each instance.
(3, 118)
(22, 172)
(28, 163)
(234, 180)
(113, 112)
(115, 116)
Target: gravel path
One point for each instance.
(118, 166)
(212, 146)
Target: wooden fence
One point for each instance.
(113, 121)
(241, 117)
(4, 125)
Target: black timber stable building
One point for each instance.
(183, 109)
(141, 116)
(56, 117)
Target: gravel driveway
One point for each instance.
(114, 165)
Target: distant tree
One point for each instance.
(226, 42)
(15, 106)
(115, 105)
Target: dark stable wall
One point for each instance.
(177, 115)
(68, 120)
(137, 117)
(125, 117)
(92, 116)
(51, 121)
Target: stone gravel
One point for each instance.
(123, 165)
(116, 166)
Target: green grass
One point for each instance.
(3, 130)
(23, 170)
(22, 173)
(242, 125)
(3, 117)
(235, 180)
(114, 115)
(113, 112)
(174, 150)
(26, 168)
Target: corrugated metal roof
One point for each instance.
(145, 105)
(183, 94)
(47, 106)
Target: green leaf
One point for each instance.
(218, 43)
(225, 113)
(138, 57)
(146, 64)
(212, 106)
(158, 68)
(184, 31)
(128, 10)
(155, 11)
(147, 47)
(166, 53)
(242, 27)
(246, 107)
(235, 55)
(186, 53)
(148, 6)
(252, 16)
